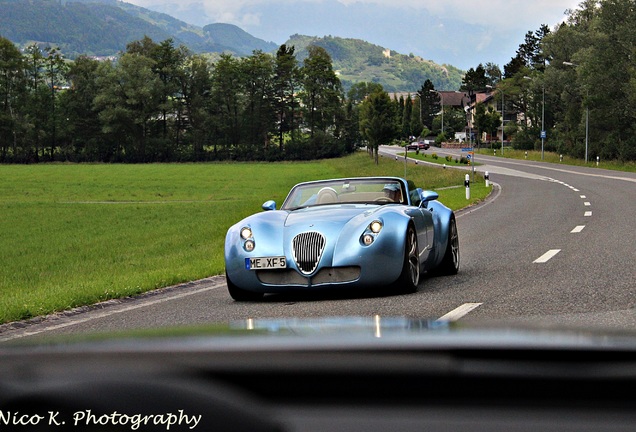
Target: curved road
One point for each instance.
(553, 245)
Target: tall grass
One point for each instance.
(74, 235)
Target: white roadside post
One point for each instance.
(467, 184)
(487, 177)
(598, 159)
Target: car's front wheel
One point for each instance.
(240, 294)
(450, 262)
(410, 276)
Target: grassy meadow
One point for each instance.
(552, 157)
(77, 234)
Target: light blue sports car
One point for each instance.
(342, 233)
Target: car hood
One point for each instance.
(329, 215)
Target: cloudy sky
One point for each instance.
(462, 33)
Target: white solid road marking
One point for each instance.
(105, 313)
(547, 256)
(578, 229)
(459, 312)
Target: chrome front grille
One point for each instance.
(307, 249)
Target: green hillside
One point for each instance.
(356, 60)
(77, 28)
(105, 27)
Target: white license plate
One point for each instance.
(265, 263)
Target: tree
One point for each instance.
(407, 112)
(129, 101)
(82, 132)
(486, 120)
(361, 90)
(227, 99)
(12, 93)
(322, 90)
(196, 86)
(168, 66)
(37, 114)
(429, 104)
(376, 121)
(55, 69)
(286, 83)
(475, 80)
(259, 116)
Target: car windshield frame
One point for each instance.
(367, 191)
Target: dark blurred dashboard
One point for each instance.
(304, 383)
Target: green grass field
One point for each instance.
(552, 157)
(72, 235)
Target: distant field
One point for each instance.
(535, 155)
(72, 235)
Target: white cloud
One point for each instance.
(506, 13)
(503, 13)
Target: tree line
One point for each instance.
(158, 102)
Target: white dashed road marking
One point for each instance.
(459, 312)
(547, 256)
(578, 229)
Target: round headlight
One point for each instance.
(249, 245)
(376, 226)
(367, 239)
(246, 233)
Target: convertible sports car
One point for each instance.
(342, 233)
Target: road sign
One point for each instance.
(467, 149)
(543, 134)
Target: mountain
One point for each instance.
(237, 40)
(105, 27)
(356, 60)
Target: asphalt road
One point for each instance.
(554, 245)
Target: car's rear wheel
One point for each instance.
(410, 276)
(450, 262)
(240, 294)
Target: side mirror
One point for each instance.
(427, 196)
(269, 205)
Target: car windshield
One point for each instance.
(351, 191)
